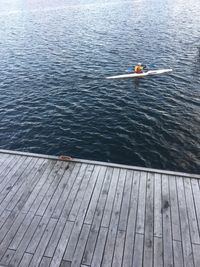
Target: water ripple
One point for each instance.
(54, 95)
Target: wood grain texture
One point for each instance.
(82, 214)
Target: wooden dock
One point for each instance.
(84, 213)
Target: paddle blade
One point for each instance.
(151, 65)
(130, 69)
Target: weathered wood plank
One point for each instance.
(157, 206)
(10, 166)
(194, 232)
(93, 235)
(21, 231)
(125, 202)
(102, 201)
(52, 188)
(196, 196)
(158, 252)
(69, 188)
(5, 161)
(7, 224)
(8, 189)
(58, 181)
(141, 204)
(78, 254)
(119, 249)
(178, 254)
(112, 233)
(52, 180)
(26, 260)
(98, 253)
(167, 231)
(110, 200)
(130, 233)
(90, 246)
(92, 218)
(25, 241)
(55, 237)
(4, 216)
(96, 193)
(43, 243)
(60, 250)
(176, 227)
(185, 232)
(37, 235)
(30, 184)
(20, 186)
(66, 264)
(7, 257)
(38, 187)
(67, 205)
(9, 235)
(45, 262)
(13, 174)
(17, 181)
(41, 228)
(3, 158)
(138, 250)
(63, 187)
(196, 251)
(148, 237)
(81, 215)
(79, 197)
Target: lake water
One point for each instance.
(54, 56)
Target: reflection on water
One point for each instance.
(54, 57)
(136, 83)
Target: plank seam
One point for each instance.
(136, 215)
(98, 177)
(62, 167)
(186, 206)
(98, 231)
(14, 173)
(109, 219)
(179, 219)
(173, 256)
(22, 184)
(39, 180)
(61, 212)
(79, 185)
(195, 208)
(124, 184)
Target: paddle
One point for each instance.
(130, 69)
(151, 65)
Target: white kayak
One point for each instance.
(138, 75)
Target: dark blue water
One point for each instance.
(54, 56)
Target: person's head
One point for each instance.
(139, 64)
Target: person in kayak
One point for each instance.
(139, 68)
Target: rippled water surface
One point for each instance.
(54, 56)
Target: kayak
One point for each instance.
(138, 75)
